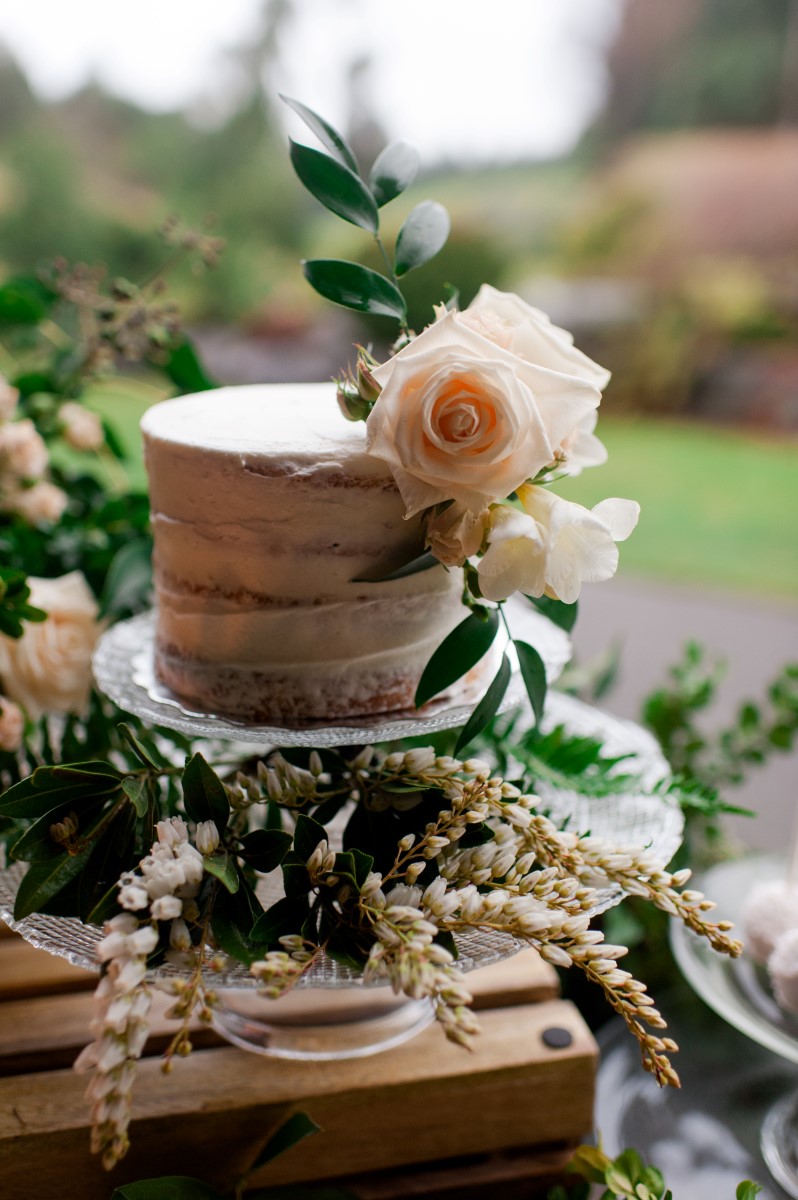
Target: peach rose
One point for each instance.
(82, 428)
(461, 418)
(48, 669)
(455, 534)
(22, 450)
(12, 725)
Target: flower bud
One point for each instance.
(207, 837)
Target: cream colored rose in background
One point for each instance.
(12, 725)
(461, 418)
(456, 533)
(22, 450)
(82, 429)
(48, 669)
(44, 502)
(553, 546)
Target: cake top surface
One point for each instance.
(296, 420)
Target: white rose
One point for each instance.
(455, 534)
(460, 418)
(554, 546)
(48, 669)
(509, 321)
(12, 725)
(8, 399)
(82, 429)
(44, 502)
(22, 450)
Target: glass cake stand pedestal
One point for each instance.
(738, 991)
(331, 1013)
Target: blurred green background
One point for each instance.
(667, 240)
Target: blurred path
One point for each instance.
(755, 637)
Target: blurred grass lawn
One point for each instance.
(718, 505)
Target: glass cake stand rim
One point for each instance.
(714, 977)
(124, 671)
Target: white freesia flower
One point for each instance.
(581, 541)
(515, 560)
(48, 669)
(462, 418)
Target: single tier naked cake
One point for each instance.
(266, 510)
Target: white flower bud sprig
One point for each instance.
(122, 1002)
(279, 970)
(163, 891)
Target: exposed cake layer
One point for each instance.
(267, 512)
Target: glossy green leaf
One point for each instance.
(488, 706)
(558, 612)
(204, 795)
(24, 300)
(283, 917)
(458, 653)
(137, 791)
(146, 752)
(423, 234)
(337, 187)
(86, 773)
(223, 867)
(168, 1187)
(393, 171)
(324, 131)
(356, 287)
(128, 583)
(233, 918)
(533, 673)
(24, 799)
(185, 369)
(290, 1133)
(43, 880)
(307, 835)
(422, 562)
(36, 843)
(265, 849)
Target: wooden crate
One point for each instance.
(424, 1119)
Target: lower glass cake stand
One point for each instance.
(738, 990)
(330, 1013)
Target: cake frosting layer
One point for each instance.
(267, 512)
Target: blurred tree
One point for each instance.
(697, 63)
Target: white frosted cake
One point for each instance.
(266, 509)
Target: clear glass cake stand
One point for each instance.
(331, 1014)
(739, 992)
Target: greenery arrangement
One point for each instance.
(164, 841)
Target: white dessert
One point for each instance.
(770, 911)
(266, 509)
(783, 970)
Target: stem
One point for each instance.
(394, 280)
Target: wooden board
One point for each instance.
(505, 1112)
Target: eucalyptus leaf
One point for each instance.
(558, 612)
(353, 286)
(458, 653)
(265, 849)
(337, 187)
(422, 562)
(533, 673)
(223, 867)
(423, 234)
(324, 131)
(394, 170)
(488, 706)
(204, 795)
(290, 1133)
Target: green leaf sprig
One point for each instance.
(335, 179)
